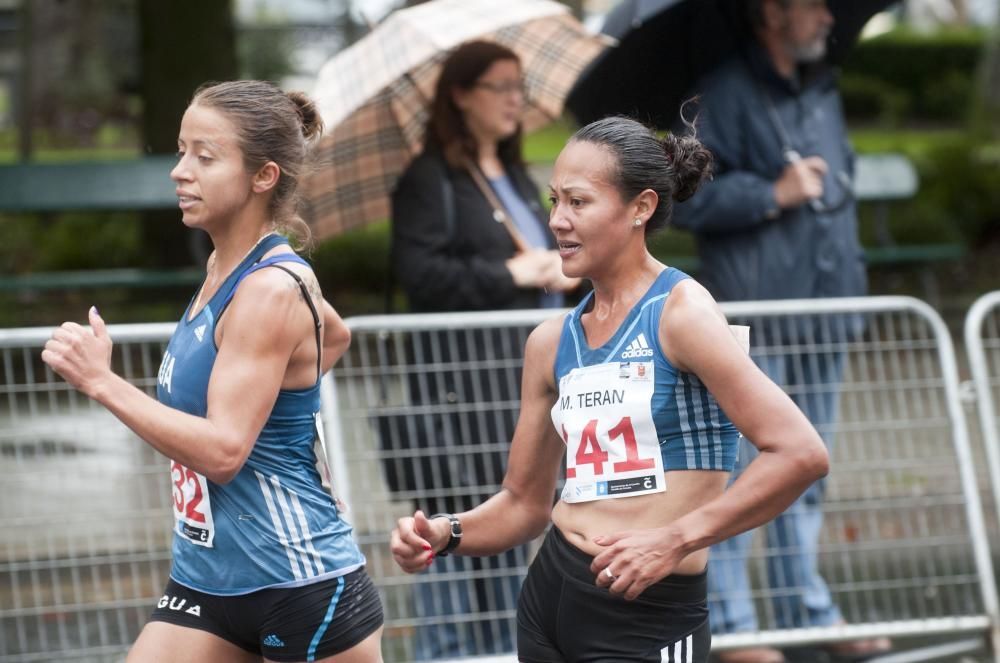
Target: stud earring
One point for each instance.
(637, 222)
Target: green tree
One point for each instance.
(988, 105)
(184, 43)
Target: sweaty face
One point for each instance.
(589, 218)
(212, 182)
(493, 105)
(807, 26)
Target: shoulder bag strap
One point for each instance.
(500, 214)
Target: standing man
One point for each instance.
(779, 222)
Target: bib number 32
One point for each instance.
(192, 507)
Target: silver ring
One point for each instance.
(609, 574)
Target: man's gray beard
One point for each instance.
(809, 53)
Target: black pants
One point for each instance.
(563, 616)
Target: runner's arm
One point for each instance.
(336, 336)
(697, 339)
(244, 384)
(522, 508)
(792, 455)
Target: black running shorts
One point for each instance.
(285, 624)
(562, 616)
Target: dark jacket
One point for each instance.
(747, 249)
(461, 268)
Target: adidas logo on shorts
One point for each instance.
(638, 348)
(273, 641)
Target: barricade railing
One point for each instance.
(420, 414)
(903, 547)
(982, 344)
(85, 511)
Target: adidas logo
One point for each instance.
(637, 348)
(273, 641)
(199, 332)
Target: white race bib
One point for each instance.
(192, 505)
(604, 415)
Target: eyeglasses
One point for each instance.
(502, 87)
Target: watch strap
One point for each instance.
(455, 531)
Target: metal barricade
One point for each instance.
(903, 547)
(420, 413)
(982, 343)
(85, 512)
(426, 407)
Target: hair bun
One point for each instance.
(312, 123)
(691, 161)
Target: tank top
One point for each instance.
(273, 525)
(626, 413)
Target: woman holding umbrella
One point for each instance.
(494, 252)
(264, 567)
(469, 233)
(644, 382)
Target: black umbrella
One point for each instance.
(665, 46)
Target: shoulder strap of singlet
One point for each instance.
(659, 291)
(273, 262)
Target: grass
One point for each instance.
(541, 146)
(109, 143)
(914, 142)
(544, 145)
(57, 155)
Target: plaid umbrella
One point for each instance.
(374, 96)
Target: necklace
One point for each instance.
(211, 269)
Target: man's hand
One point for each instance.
(800, 182)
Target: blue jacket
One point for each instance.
(749, 249)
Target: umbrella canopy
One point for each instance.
(666, 46)
(374, 97)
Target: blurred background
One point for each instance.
(107, 80)
(91, 95)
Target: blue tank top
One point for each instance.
(273, 525)
(693, 432)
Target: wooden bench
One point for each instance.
(102, 186)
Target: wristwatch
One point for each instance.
(456, 533)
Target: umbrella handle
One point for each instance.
(500, 213)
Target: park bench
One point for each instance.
(99, 186)
(880, 180)
(144, 184)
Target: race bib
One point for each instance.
(604, 416)
(192, 505)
